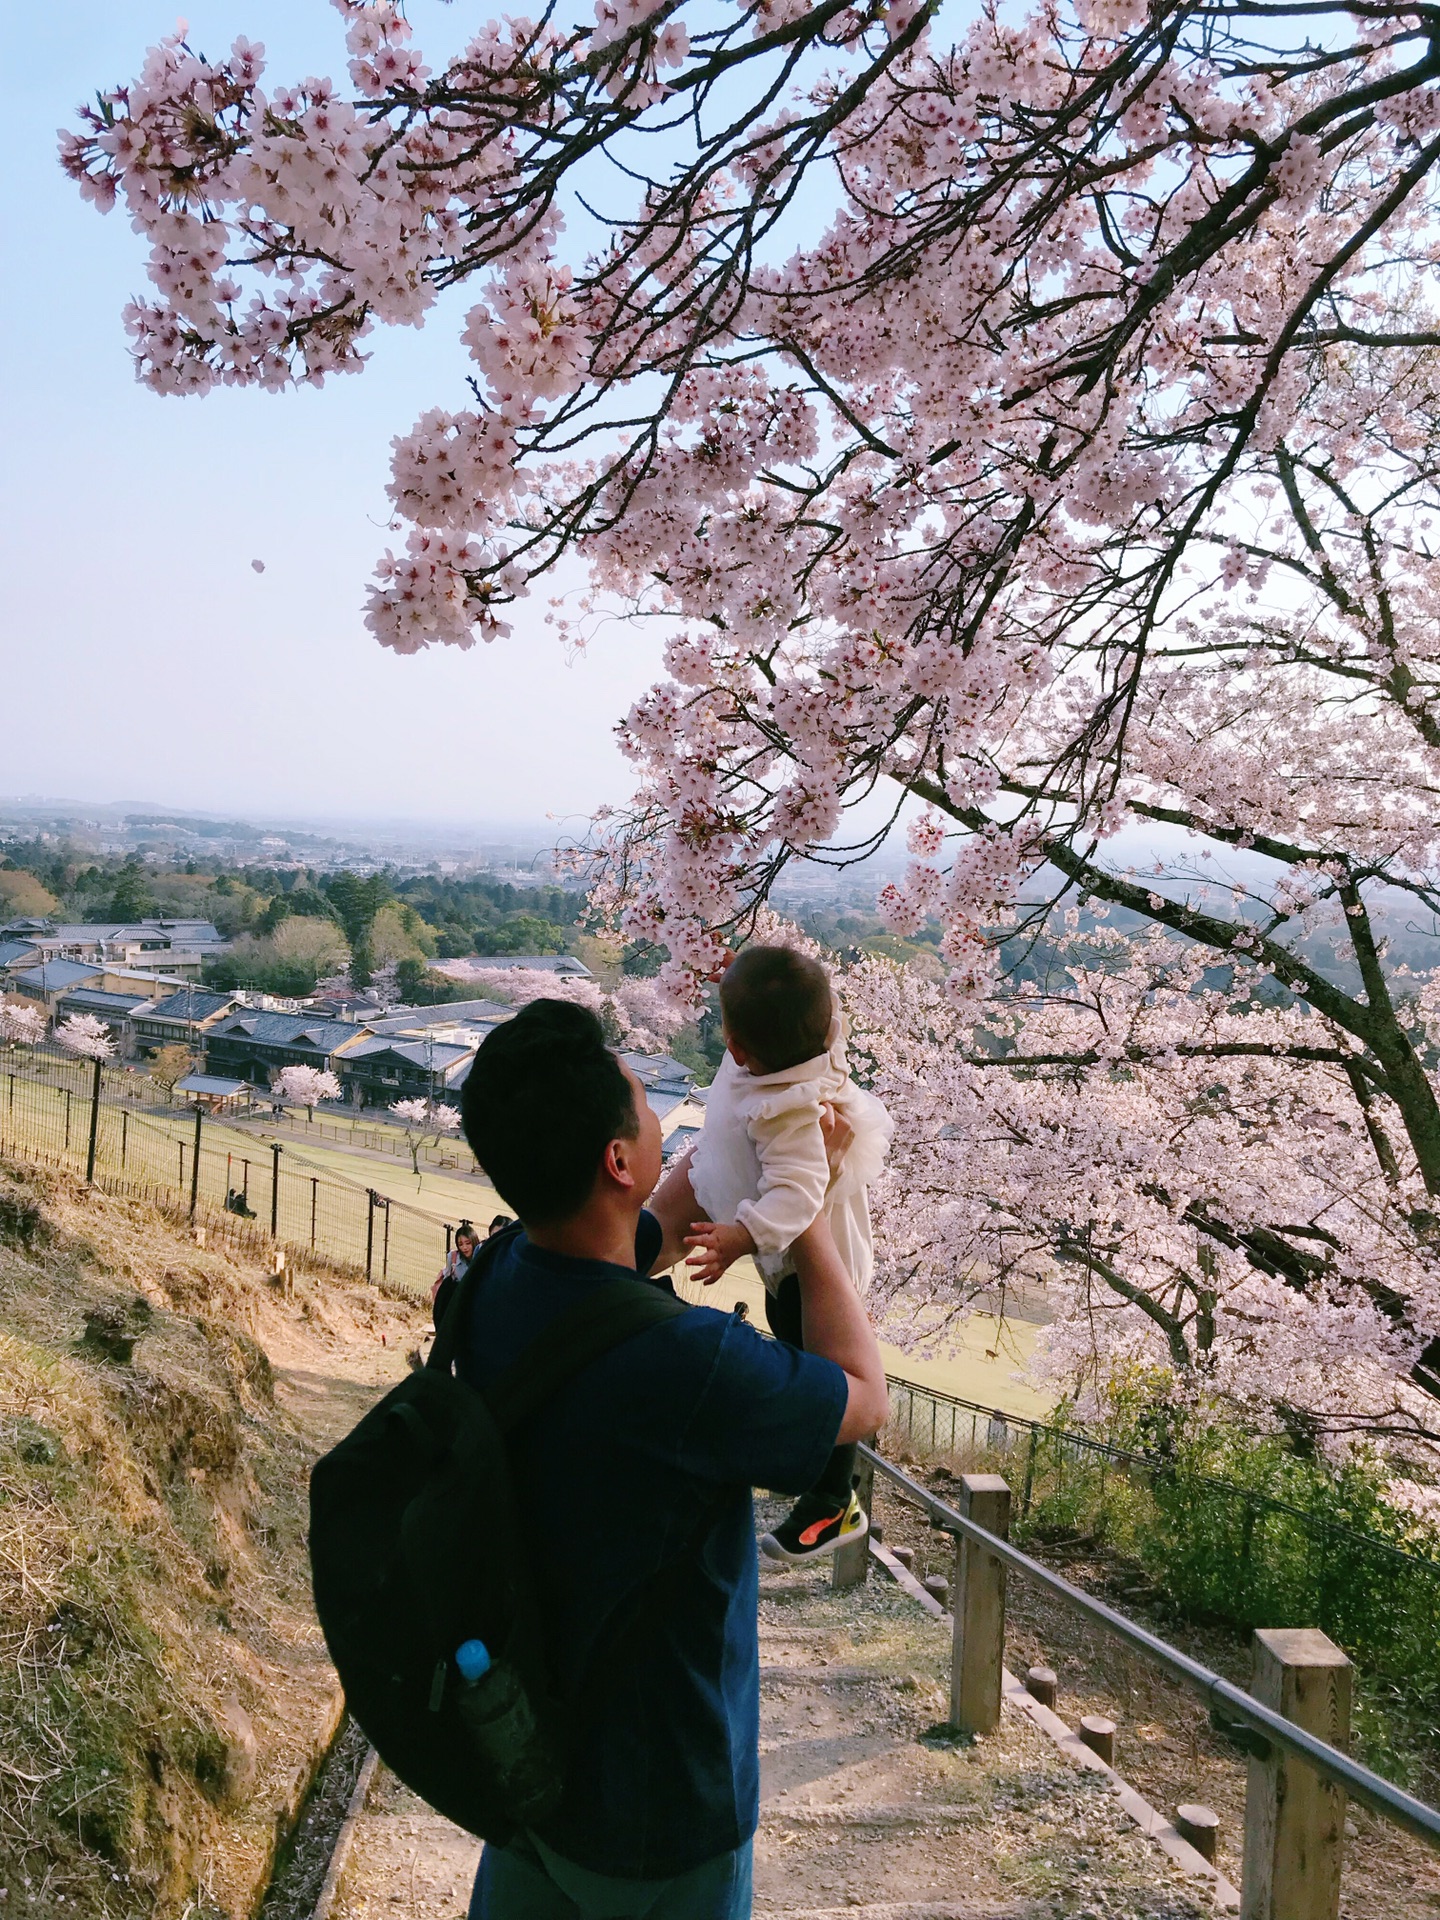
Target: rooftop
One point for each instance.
(305, 1030)
(439, 1054)
(534, 962)
(74, 933)
(451, 1013)
(192, 1003)
(659, 1070)
(213, 1084)
(55, 975)
(92, 1000)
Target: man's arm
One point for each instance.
(837, 1327)
(673, 1205)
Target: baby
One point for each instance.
(761, 1174)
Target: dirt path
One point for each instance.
(865, 1813)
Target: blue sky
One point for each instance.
(142, 657)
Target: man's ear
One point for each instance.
(616, 1162)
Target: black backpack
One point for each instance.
(414, 1550)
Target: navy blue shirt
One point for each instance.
(655, 1444)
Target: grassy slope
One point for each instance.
(163, 1686)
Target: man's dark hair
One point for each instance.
(778, 1005)
(543, 1100)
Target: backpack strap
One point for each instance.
(604, 1317)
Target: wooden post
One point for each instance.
(1201, 1827)
(195, 1163)
(978, 1593)
(1098, 1733)
(1041, 1684)
(1295, 1821)
(94, 1128)
(850, 1563)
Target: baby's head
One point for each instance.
(777, 1008)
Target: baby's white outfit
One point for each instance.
(761, 1158)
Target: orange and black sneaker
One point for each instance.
(814, 1527)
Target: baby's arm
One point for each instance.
(790, 1179)
(794, 1176)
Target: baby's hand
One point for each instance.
(716, 1247)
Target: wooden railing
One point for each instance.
(1294, 1723)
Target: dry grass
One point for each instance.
(163, 1687)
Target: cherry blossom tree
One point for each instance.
(21, 1025)
(86, 1037)
(306, 1087)
(639, 1014)
(426, 1123)
(1186, 1177)
(1040, 427)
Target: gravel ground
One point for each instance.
(300, 1871)
(870, 1811)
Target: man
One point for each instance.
(636, 1482)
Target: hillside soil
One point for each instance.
(164, 1691)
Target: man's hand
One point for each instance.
(714, 1248)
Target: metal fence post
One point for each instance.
(94, 1127)
(851, 1563)
(385, 1246)
(369, 1233)
(195, 1162)
(978, 1600)
(275, 1190)
(1294, 1820)
(67, 1119)
(124, 1135)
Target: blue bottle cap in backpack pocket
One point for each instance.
(472, 1657)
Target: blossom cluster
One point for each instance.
(1191, 1193)
(977, 493)
(637, 1013)
(86, 1036)
(21, 1025)
(306, 1086)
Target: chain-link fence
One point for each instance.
(260, 1194)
